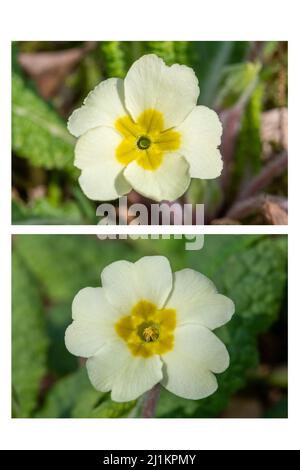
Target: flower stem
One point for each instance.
(150, 402)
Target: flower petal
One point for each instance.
(93, 323)
(151, 84)
(114, 368)
(188, 367)
(200, 136)
(125, 283)
(103, 182)
(96, 146)
(167, 182)
(103, 105)
(95, 155)
(195, 299)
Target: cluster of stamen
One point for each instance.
(150, 333)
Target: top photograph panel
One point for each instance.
(162, 132)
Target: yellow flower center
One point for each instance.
(148, 330)
(145, 141)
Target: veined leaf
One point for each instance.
(29, 341)
(38, 133)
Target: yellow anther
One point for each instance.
(150, 333)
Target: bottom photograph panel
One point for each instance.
(149, 327)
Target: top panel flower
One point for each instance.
(149, 133)
(145, 133)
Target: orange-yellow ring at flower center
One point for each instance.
(148, 330)
(145, 141)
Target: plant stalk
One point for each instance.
(150, 402)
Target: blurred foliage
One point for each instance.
(251, 76)
(248, 157)
(48, 270)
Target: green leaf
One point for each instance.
(215, 67)
(29, 342)
(248, 154)
(110, 409)
(217, 249)
(209, 59)
(38, 133)
(93, 404)
(64, 395)
(237, 81)
(74, 397)
(89, 400)
(256, 281)
(60, 361)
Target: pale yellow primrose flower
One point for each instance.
(145, 132)
(146, 325)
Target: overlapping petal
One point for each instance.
(113, 368)
(103, 105)
(127, 283)
(93, 320)
(200, 137)
(102, 175)
(196, 300)
(151, 84)
(167, 182)
(188, 368)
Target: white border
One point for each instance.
(135, 19)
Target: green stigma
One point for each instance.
(143, 143)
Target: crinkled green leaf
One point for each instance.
(217, 249)
(255, 280)
(38, 133)
(29, 341)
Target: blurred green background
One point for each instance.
(48, 270)
(245, 82)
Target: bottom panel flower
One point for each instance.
(164, 327)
